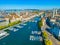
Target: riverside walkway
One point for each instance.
(54, 40)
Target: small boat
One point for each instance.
(18, 26)
(3, 34)
(21, 26)
(36, 32)
(32, 37)
(10, 28)
(35, 38)
(24, 24)
(15, 30)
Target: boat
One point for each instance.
(36, 32)
(11, 29)
(36, 38)
(15, 29)
(18, 26)
(3, 34)
(24, 24)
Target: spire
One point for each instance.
(53, 12)
(56, 11)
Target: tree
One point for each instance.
(40, 23)
(48, 42)
(45, 35)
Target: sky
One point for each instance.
(29, 4)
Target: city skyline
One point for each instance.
(29, 4)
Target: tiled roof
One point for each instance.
(12, 15)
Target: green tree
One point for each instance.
(10, 24)
(45, 35)
(48, 42)
(40, 23)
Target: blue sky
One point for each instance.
(29, 4)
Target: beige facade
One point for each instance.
(4, 21)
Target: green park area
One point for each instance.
(10, 24)
(40, 24)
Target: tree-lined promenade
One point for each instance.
(9, 25)
(47, 41)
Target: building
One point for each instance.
(55, 30)
(52, 20)
(56, 13)
(54, 27)
(13, 17)
(48, 13)
(43, 21)
(4, 21)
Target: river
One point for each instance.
(21, 37)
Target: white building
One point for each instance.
(4, 21)
(54, 12)
(53, 20)
(14, 17)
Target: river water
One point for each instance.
(21, 37)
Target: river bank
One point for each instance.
(21, 37)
